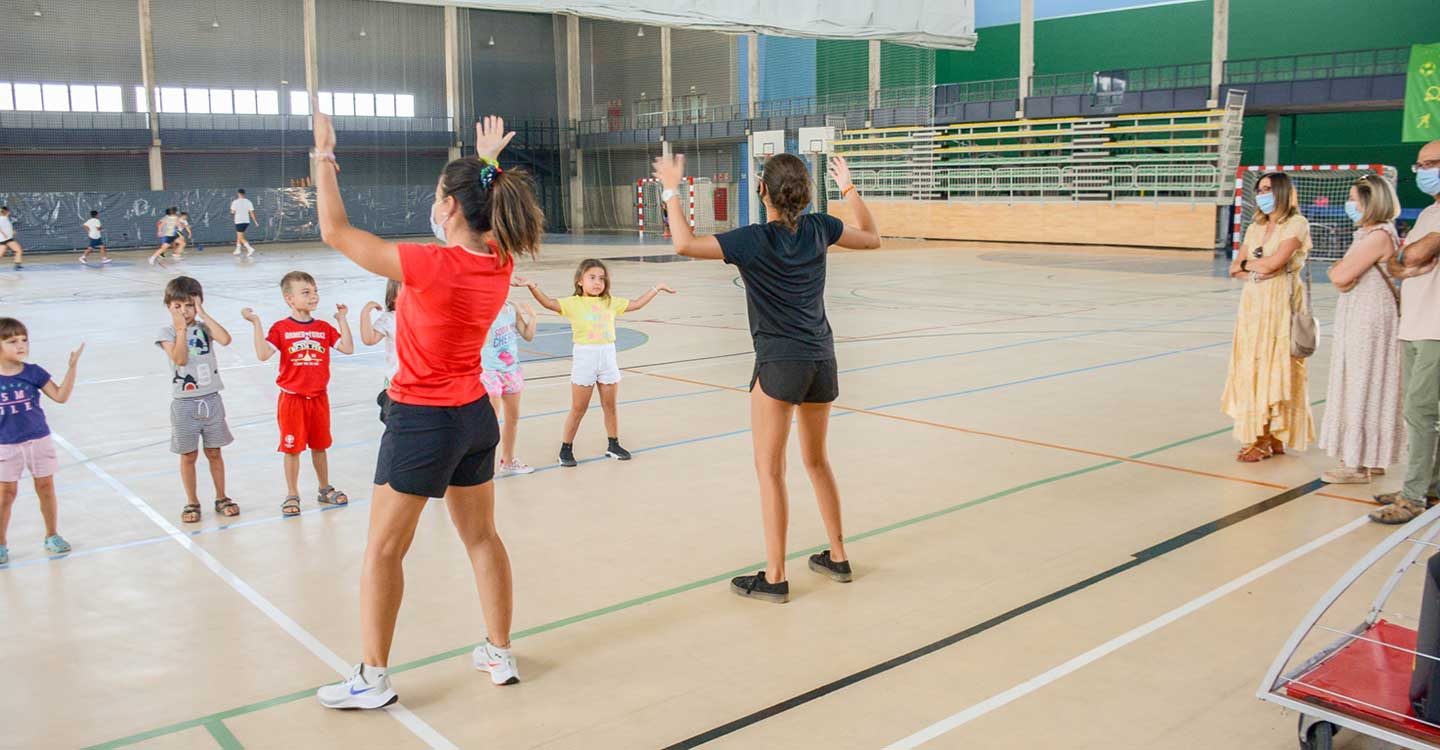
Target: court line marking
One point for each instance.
(959, 719)
(656, 596)
(1137, 559)
(409, 720)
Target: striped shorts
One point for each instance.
(194, 418)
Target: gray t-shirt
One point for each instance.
(200, 375)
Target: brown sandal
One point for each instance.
(1252, 454)
(227, 507)
(1401, 511)
(1277, 447)
(190, 513)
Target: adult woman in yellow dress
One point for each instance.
(1266, 390)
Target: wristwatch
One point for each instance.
(667, 194)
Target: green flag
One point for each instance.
(1422, 94)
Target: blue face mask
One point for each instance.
(437, 227)
(1428, 180)
(1265, 202)
(1352, 210)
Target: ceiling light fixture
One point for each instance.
(640, 32)
(492, 40)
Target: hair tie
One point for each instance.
(488, 175)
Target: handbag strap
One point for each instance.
(1394, 243)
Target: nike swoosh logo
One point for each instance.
(353, 691)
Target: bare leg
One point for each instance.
(472, 510)
(814, 425)
(321, 460)
(608, 395)
(187, 475)
(217, 472)
(509, 425)
(393, 517)
(579, 402)
(104, 252)
(155, 256)
(292, 473)
(19, 253)
(770, 428)
(8, 491)
(49, 507)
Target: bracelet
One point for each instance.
(847, 191)
(487, 160)
(324, 156)
(1243, 262)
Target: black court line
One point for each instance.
(1137, 559)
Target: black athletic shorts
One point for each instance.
(242, 227)
(426, 449)
(384, 402)
(798, 381)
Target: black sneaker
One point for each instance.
(567, 455)
(822, 564)
(756, 587)
(19, 267)
(616, 452)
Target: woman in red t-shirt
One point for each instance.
(441, 433)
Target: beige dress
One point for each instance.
(1265, 384)
(1363, 426)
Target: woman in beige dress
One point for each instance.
(1265, 391)
(1363, 428)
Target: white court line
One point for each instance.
(1029, 686)
(428, 734)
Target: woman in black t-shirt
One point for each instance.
(783, 265)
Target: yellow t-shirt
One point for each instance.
(592, 319)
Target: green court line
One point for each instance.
(213, 721)
(222, 735)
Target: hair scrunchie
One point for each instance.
(488, 175)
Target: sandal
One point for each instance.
(291, 506)
(1277, 447)
(1401, 511)
(332, 496)
(227, 507)
(1252, 454)
(190, 513)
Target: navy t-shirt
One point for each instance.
(784, 274)
(21, 418)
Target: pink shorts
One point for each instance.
(502, 383)
(37, 455)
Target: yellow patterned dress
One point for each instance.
(1265, 384)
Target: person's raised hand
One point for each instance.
(75, 355)
(341, 310)
(249, 315)
(491, 138)
(840, 172)
(324, 128)
(669, 170)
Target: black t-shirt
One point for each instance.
(784, 274)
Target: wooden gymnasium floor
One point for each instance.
(1024, 437)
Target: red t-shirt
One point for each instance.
(304, 354)
(449, 299)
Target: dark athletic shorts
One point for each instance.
(798, 381)
(242, 227)
(384, 402)
(426, 449)
(97, 242)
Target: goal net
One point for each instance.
(697, 200)
(1321, 190)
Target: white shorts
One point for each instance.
(592, 363)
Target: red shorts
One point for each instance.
(304, 422)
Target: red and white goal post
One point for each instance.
(647, 191)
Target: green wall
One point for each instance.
(841, 66)
(1340, 138)
(1268, 28)
(996, 55)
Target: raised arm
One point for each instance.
(346, 344)
(371, 253)
(177, 349)
(263, 350)
(545, 300)
(61, 393)
(865, 236)
(525, 321)
(645, 298)
(217, 331)
(1374, 248)
(368, 335)
(670, 171)
(1421, 251)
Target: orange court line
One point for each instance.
(1027, 441)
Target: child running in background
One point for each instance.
(96, 230)
(166, 229)
(183, 237)
(25, 435)
(303, 409)
(383, 328)
(196, 409)
(592, 311)
(503, 378)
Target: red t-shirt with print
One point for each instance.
(304, 354)
(450, 297)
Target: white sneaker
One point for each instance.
(83, 261)
(366, 688)
(499, 662)
(237, 250)
(516, 466)
(154, 260)
(249, 251)
(105, 260)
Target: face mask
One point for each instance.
(435, 226)
(1352, 209)
(1266, 202)
(1428, 180)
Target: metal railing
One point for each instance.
(1321, 66)
(75, 120)
(999, 89)
(187, 121)
(1109, 181)
(1188, 75)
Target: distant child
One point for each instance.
(303, 409)
(25, 435)
(97, 239)
(166, 229)
(183, 237)
(7, 238)
(503, 378)
(592, 313)
(243, 212)
(383, 328)
(196, 410)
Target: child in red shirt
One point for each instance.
(303, 409)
